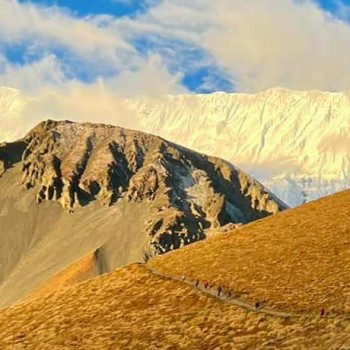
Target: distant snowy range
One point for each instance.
(297, 143)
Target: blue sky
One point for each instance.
(182, 41)
(129, 7)
(332, 5)
(88, 7)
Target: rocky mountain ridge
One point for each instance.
(78, 163)
(68, 190)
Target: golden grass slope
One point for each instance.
(296, 261)
(134, 309)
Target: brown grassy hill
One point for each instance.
(67, 189)
(298, 260)
(134, 309)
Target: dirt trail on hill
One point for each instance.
(213, 291)
(224, 296)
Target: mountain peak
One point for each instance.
(126, 194)
(77, 164)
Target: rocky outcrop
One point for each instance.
(10, 153)
(76, 164)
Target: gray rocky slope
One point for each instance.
(68, 189)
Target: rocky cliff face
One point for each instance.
(76, 164)
(10, 153)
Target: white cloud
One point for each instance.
(102, 101)
(258, 43)
(284, 43)
(46, 71)
(53, 26)
(262, 43)
(48, 91)
(152, 78)
(73, 101)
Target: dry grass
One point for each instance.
(297, 261)
(135, 309)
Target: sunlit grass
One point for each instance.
(296, 261)
(135, 309)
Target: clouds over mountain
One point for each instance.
(174, 46)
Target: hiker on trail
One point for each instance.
(229, 294)
(322, 312)
(219, 291)
(257, 305)
(206, 283)
(197, 283)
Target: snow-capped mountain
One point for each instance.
(296, 143)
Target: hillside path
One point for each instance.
(237, 302)
(224, 297)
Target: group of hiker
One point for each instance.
(224, 291)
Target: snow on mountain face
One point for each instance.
(12, 104)
(296, 143)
